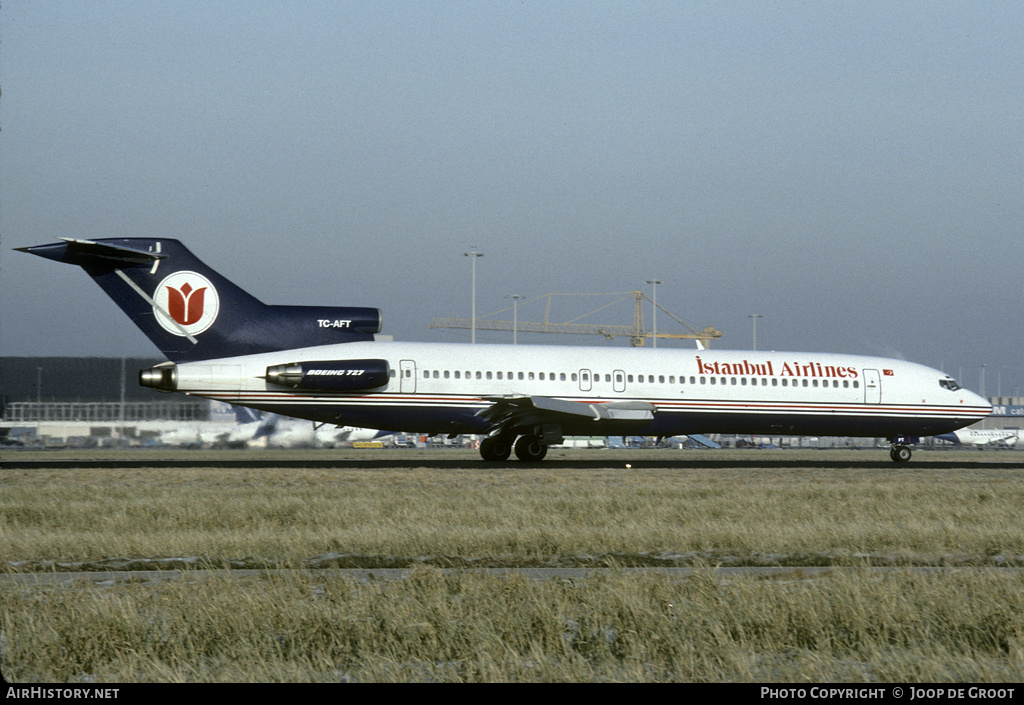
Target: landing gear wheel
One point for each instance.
(900, 454)
(496, 448)
(530, 449)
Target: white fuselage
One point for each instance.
(441, 387)
(983, 437)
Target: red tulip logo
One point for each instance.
(185, 304)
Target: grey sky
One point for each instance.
(853, 171)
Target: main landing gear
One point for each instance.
(528, 448)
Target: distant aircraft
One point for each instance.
(983, 437)
(295, 433)
(229, 426)
(323, 364)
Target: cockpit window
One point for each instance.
(949, 383)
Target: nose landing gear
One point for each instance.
(899, 453)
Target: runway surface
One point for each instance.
(598, 460)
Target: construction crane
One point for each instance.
(637, 332)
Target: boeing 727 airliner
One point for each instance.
(324, 364)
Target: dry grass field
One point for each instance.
(964, 622)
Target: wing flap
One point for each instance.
(509, 413)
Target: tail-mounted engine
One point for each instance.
(163, 377)
(331, 375)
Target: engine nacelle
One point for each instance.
(163, 377)
(331, 375)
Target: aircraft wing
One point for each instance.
(703, 440)
(509, 413)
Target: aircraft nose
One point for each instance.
(980, 401)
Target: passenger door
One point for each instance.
(872, 387)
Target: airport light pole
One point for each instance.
(473, 254)
(754, 317)
(981, 376)
(655, 282)
(515, 315)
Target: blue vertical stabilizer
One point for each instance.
(191, 312)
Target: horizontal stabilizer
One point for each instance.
(92, 253)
